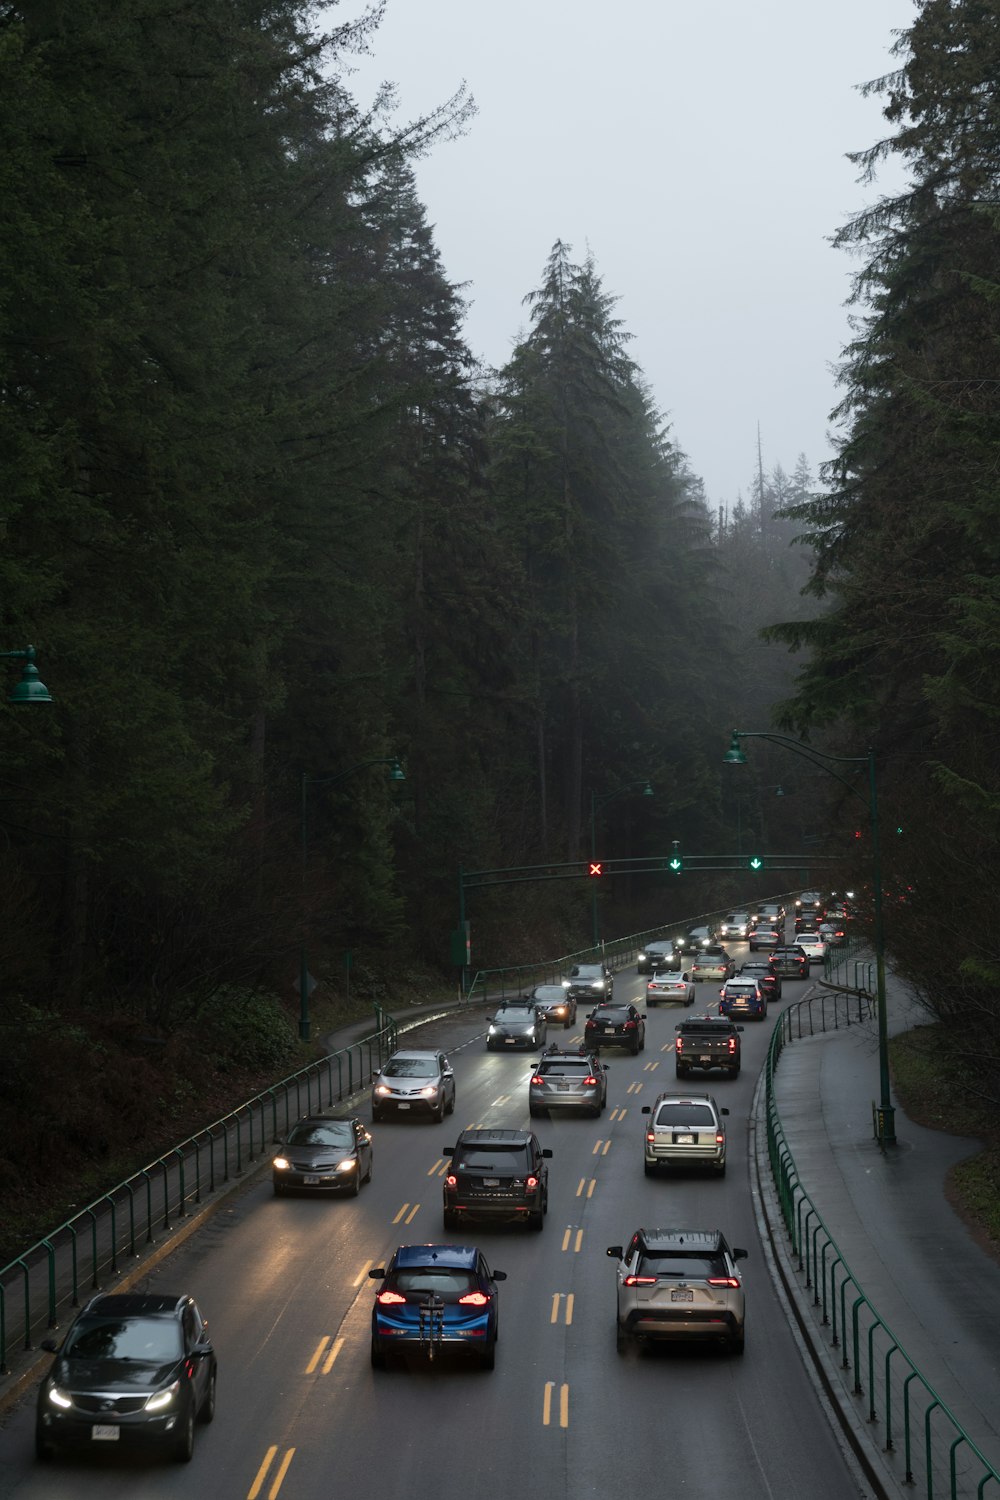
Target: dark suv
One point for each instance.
(499, 1175)
(133, 1371)
(791, 962)
(590, 982)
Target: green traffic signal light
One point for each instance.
(676, 864)
(755, 863)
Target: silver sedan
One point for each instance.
(669, 988)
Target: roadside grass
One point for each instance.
(932, 1085)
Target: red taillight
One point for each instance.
(732, 1044)
(719, 1138)
(722, 1281)
(679, 1046)
(590, 1080)
(629, 1026)
(531, 1184)
(538, 1078)
(650, 1135)
(389, 1298)
(474, 1299)
(451, 1180)
(639, 1281)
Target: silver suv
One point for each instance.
(414, 1083)
(568, 1080)
(684, 1129)
(679, 1284)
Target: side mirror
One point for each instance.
(502, 1275)
(50, 1346)
(723, 1111)
(739, 1254)
(377, 1275)
(616, 1251)
(448, 1151)
(645, 1109)
(489, 1018)
(546, 1152)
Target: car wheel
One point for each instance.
(450, 1219)
(649, 1167)
(621, 1338)
(371, 1165)
(488, 1358)
(642, 1044)
(206, 1410)
(595, 1113)
(438, 1115)
(736, 1344)
(184, 1437)
(536, 1219)
(490, 1047)
(635, 1050)
(721, 1170)
(733, 1072)
(376, 1116)
(651, 1004)
(451, 1104)
(278, 1190)
(44, 1450)
(568, 1022)
(680, 1072)
(377, 1356)
(534, 1111)
(355, 1187)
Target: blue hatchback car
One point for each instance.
(433, 1299)
(743, 997)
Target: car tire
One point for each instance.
(450, 1219)
(376, 1116)
(206, 1411)
(733, 1072)
(568, 1022)
(738, 1343)
(635, 1050)
(534, 1111)
(595, 1113)
(278, 1190)
(377, 1356)
(438, 1114)
(621, 1338)
(490, 1047)
(371, 1167)
(355, 1187)
(451, 1106)
(488, 1358)
(44, 1451)
(183, 1444)
(721, 1170)
(680, 1072)
(536, 1219)
(649, 1167)
(651, 1004)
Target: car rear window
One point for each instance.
(684, 1267)
(570, 1065)
(483, 1158)
(447, 1283)
(686, 1114)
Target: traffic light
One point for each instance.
(755, 863)
(676, 864)
(596, 867)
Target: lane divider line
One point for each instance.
(311, 1366)
(363, 1274)
(338, 1344)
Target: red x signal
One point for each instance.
(596, 868)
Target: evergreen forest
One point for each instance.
(327, 610)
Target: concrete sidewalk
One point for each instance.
(927, 1278)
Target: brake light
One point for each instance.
(722, 1281)
(629, 1025)
(590, 1080)
(719, 1138)
(389, 1298)
(732, 1044)
(531, 1183)
(474, 1299)
(650, 1135)
(639, 1281)
(538, 1078)
(679, 1046)
(451, 1180)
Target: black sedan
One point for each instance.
(133, 1371)
(615, 1025)
(323, 1155)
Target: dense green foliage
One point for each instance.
(905, 654)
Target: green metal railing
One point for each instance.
(937, 1453)
(69, 1263)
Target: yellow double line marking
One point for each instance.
(279, 1476)
(439, 1168)
(335, 1349)
(567, 1239)
(634, 1088)
(586, 1187)
(407, 1213)
(618, 1113)
(557, 1299)
(601, 1148)
(651, 1067)
(550, 1386)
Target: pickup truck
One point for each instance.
(706, 1042)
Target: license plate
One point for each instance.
(683, 1140)
(311, 1180)
(403, 1106)
(510, 1040)
(563, 1087)
(682, 1294)
(102, 1433)
(704, 1059)
(609, 1030)
(491, 1182)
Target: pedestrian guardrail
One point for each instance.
(118, 1226)
(919, 1435)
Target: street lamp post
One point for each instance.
(595, 804)
(30, 689)
(395, 773)
(819, 758)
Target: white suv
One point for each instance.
(684, 1128)
(679, 1284)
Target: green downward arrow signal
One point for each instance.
(756, 864)
(675, 864)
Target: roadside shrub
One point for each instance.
(246, 1029)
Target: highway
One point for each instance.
(302, 1416)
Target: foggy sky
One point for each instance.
(697, 149)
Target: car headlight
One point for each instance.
(493, 1030)
(642, 957)
(59, 1398)
(347, 1165)
(597, 984)
(163, 1398)
(382, 1088)
(565, 984)
(429, 1091)
(281, 1163)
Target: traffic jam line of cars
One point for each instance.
(140, 1370)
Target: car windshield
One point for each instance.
(550, 993)
(336, 1133)
(154, 1341)
(682, 1266)
(410, 1067)
(493, 1158)
(689, 1115)
(447, 1283)
(585, 971)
